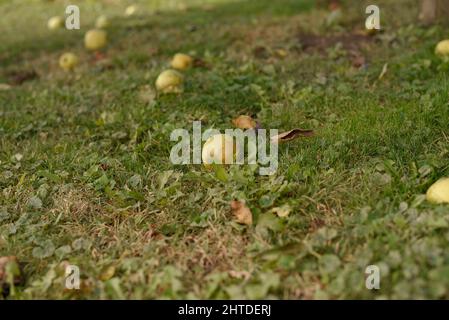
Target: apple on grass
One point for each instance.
(442, 48)
(219, 149)
(95, 39)
(68, 61)
(181, 61)
(170, 81)
(55, 23)
(439, 191)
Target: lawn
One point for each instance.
(86, 178)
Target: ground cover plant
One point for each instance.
(86, 179)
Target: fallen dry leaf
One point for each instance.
(244, 122)
(282, 211)
(99, 56)
(241, 212)
(200, 63)
(20, 76)
(334, 5)
(357, 59)
(291, 135)
(261, 52)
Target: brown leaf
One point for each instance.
(241, 212)
(334, 5)
(200, 63)
(291, 135)
(19, 77)
(261, 52)
(99, 56)
(244, 122)
(357, 59)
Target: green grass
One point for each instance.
(85, 175)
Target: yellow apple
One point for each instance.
(442, 48)
(131, 10)
(102, 22)
(170, 81)
(55, 23)
(181, 61)
(95, 39)
(439, 191)
(68, 61)
(219, 149)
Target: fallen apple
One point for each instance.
(181, 61)
(170, 81)
(244, 122)
(439, 191)
(68, 61)
(130, 10)
(219, 149)
(442, 48)
(102, 22)
(95, 39)
(55, 23)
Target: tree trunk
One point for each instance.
(433, 11)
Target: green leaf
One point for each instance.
(220, 172)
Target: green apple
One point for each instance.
(170, 81)
(219, 149)
(102, 22)
(439, 191)
(442, 48)
(68, 61)
(95, 39)
(131, 10)
(181, 61)
(55, 23)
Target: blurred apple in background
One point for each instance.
(95, 39)
(181, 61)
(55, 23)
(442, 48)
(170, 81)
(68, 61)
